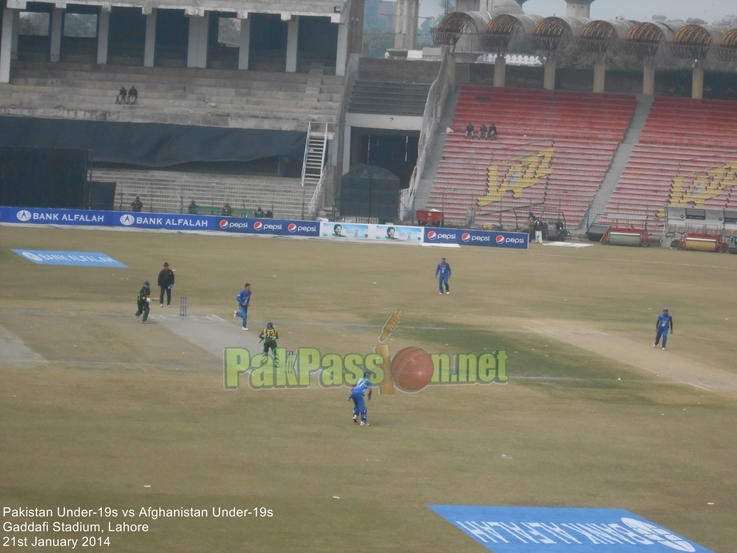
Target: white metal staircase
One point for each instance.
(313, 165)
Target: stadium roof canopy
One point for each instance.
(694, 41)
(727, 50)
(597, 36)
(551, 32)
(502, 29)
(453, 25)
(644, 39)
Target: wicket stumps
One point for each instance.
(182, 307)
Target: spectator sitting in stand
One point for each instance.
(483, 132)
(269, 214)
(492, 131)
(469, 130)
(193, 208)
(132, 95)
(121, 96)
(227, 210)
(137, 205)
(259, 212)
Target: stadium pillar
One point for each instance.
(150, 44)
(342, 53)
(245, 44)
(292, 40)
(648, 78)
(197, 43)
(103, 29)
(599, 74)
(56, 20)
(6, 44)
(549, 75)
(578, 8)
(500, 69)
(697, 81)
(14, 36)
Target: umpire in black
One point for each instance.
(166, 282)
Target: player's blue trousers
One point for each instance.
(443, 281)
(243, 314)
(359, 405)
(662, 331)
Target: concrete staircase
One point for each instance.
(207, 97)
(436, 153)
(172, 191)
(621, 157)
(393, 98)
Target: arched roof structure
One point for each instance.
(503, 28)
(597, 36)
(644, 39)
(694, 41)
(727, 50)
(453, 25)
(550, 32)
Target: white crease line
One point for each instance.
(218, 318)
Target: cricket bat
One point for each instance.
(387, 385)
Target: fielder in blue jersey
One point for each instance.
(443, 274)
(244, 301)
(663, 324)
(359, 405)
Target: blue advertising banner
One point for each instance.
(491, 238)
(563, 530)
(280, 227)
(55, 216)
(163, 221)
(86, 259)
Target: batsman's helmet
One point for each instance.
(269, 325)
(147, 283)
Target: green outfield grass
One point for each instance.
(129, 416)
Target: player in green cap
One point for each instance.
(269, 335)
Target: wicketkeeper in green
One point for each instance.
(269, 335)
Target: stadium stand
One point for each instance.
(686, 157)
(209, 97)
(552, 147)
(171, 191)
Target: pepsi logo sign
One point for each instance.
(465, 237)
(500, 239)
(258, 225)
(292, 227)
(223, 224)
(431, 235)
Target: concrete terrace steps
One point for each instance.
(171, 191)
(189, 73)
(224, 98)
(92, 98)
(388, 97)
(196, 86)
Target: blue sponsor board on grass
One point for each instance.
(86, 259)
(563, 530)
(468, 237)
(280, 227)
